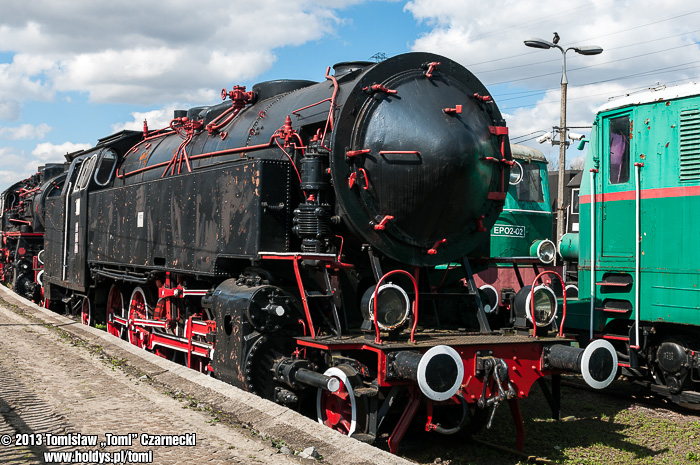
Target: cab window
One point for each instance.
(85, 173)
(619, 150)
(105, 167)
(530, 188)
(574, 201)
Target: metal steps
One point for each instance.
(612, 284)
(613, 310)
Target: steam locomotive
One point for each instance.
(22, 230)
(285, 241)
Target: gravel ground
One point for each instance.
(597, 429)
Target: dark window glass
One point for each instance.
(105, 167)
(574, 201)
(530, 188)
(619, 150)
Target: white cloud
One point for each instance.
(51, 153)
(12, 159)
(9, 109)
(642, 44)
(25, 131)
(184, 55)
(156, 119)
(174, 52)
(16, 86)
(16, 165)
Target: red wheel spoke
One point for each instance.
(138, 310)
(338, 408)
(115, 307)
(85, 311)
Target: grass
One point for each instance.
(603, 430)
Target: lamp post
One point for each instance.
(583, 50)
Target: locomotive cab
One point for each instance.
(64, 208)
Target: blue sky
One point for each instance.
(75, 71)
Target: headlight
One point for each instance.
(545, 305)
(393, 307)
(544, 250)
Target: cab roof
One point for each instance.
(651, 95)
(522, 152)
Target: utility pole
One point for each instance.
(583, 50)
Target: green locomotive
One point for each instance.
(639, 266)
(520, 248)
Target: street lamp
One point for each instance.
(582, 50)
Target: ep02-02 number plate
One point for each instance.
(508, 230)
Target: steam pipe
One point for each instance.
(304, 376)
(292, 372)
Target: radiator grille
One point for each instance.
(690, 145)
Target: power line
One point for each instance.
(530, 138)
(578, 9)
(528, 134)
(558, 15)
(520, 25)
(539, 20)
(606, 50)
(535, 136)
(666, 69)
(642, 25)
(616, 79)
(593, 65)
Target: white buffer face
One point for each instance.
(599, 364)
(440, 373)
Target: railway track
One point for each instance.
(626, 426)
(641, 392)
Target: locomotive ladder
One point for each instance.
(611, 282)
(327, 294)
(329, 261)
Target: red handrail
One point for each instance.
(378, 340)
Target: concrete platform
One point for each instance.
(270, 420)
